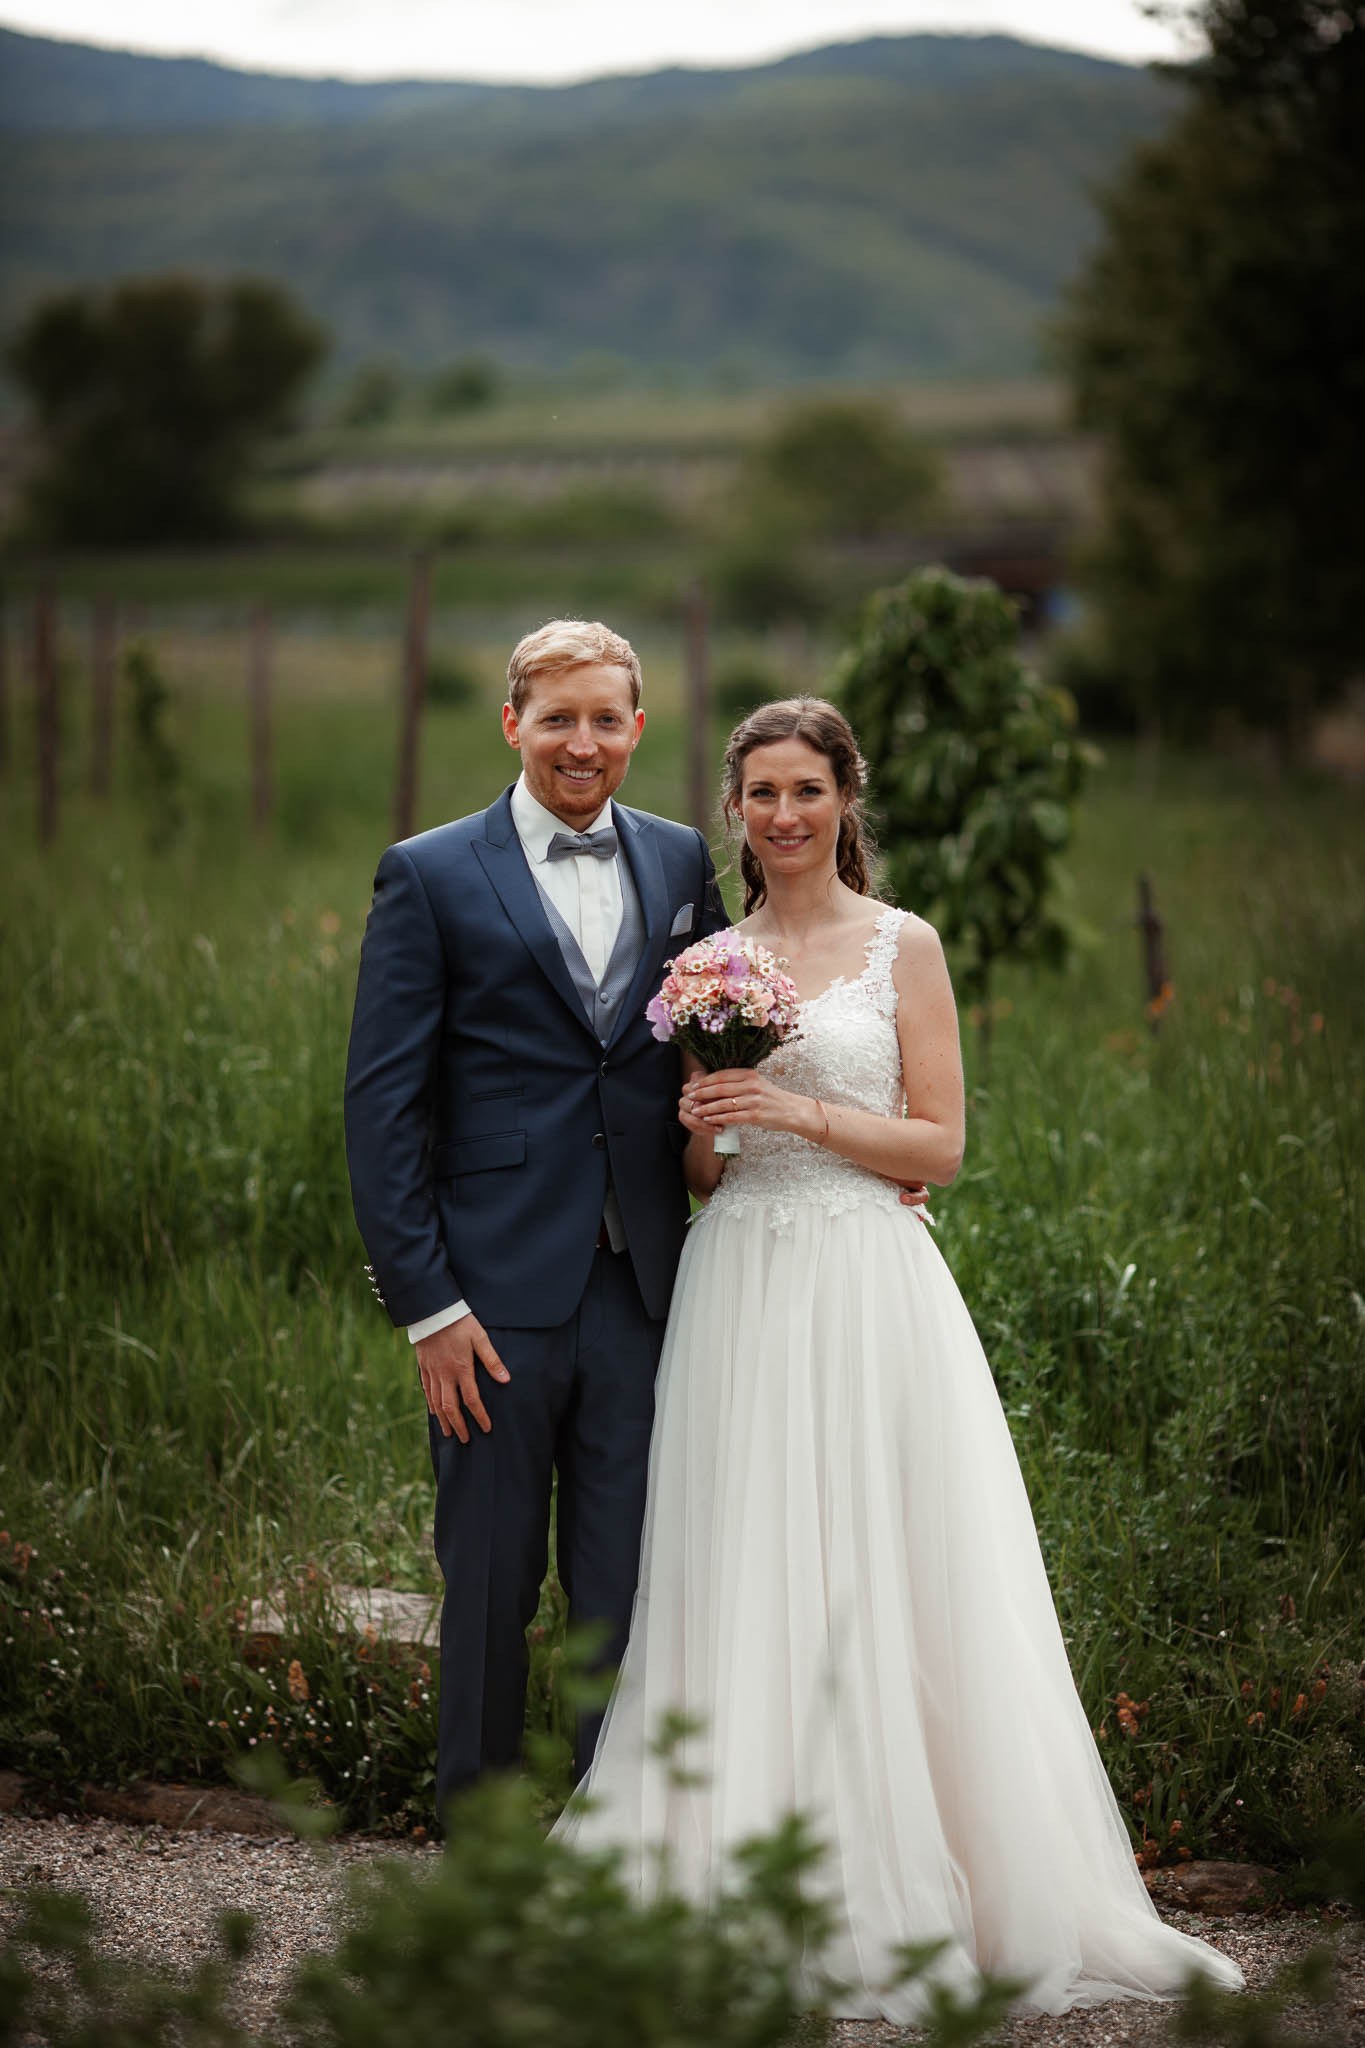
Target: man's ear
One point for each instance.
(639, 726)
(511, 728)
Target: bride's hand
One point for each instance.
(745, 1095)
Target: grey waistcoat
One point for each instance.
(602, 1000)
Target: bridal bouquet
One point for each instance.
(727, 1001)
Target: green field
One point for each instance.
(1158, 1234)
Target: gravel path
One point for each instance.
(158, 1894)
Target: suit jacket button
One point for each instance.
(599, 1139)
(605, 1065)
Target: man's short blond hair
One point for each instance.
(568, 643)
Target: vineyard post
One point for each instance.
(258, 693)
(46, 685)
(4, 691)
(1153, 939)
(103, 668)
(697, 704)
(410, 701)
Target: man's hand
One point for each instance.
(447, 1360)
(914, 1194)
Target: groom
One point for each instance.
(515, 1165)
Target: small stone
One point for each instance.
(1215, 1887)
(183, 1806)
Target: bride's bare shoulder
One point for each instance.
(919, 949)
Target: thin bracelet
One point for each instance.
(825, 1114)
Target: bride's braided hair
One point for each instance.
(825, 729)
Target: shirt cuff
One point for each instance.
(442, 1320)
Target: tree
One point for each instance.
(371, 395)
(1216, 346)
(469, 384)
(846, 469)
(974, 765)
(150, 400)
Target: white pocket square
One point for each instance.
(682, 922)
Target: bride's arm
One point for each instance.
(701, 1168)
(926, 1143)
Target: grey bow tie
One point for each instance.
(599, 845)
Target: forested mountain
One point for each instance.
(897, 206)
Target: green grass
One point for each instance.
(1159, 1237)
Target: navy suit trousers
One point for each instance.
(580, 1401)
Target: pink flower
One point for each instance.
(660, 1019)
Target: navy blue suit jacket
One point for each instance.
(482, 1111)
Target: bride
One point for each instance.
(840, 1581)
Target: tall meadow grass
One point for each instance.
(1158, 1232)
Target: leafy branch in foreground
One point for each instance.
(509, 1940)
(506, 1939)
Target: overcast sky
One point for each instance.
(555, 39)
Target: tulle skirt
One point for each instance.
(841, 1582)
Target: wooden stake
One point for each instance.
(103, 668)
(410, 703)
(46, 686)
(258, 695)
(697, 706)
(1153, 938)
(4, 693)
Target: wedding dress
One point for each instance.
(840, 1580)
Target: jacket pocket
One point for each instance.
(477, 1155)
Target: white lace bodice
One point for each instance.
(846, 1051)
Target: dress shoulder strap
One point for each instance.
(881, 958)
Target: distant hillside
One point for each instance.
(905, 205)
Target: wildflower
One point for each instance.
(1300, 1703)
(1315, 1023)
(329, 924)
(1247, 1688)
(1161, 1002)
(1256, 1720)
(1275, 1696)
(1320, 1690)
(298, 1683)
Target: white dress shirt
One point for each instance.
(587, 895)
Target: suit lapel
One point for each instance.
(641, 849)
(503, 860)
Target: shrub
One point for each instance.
(739, 687)
(974, 766)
